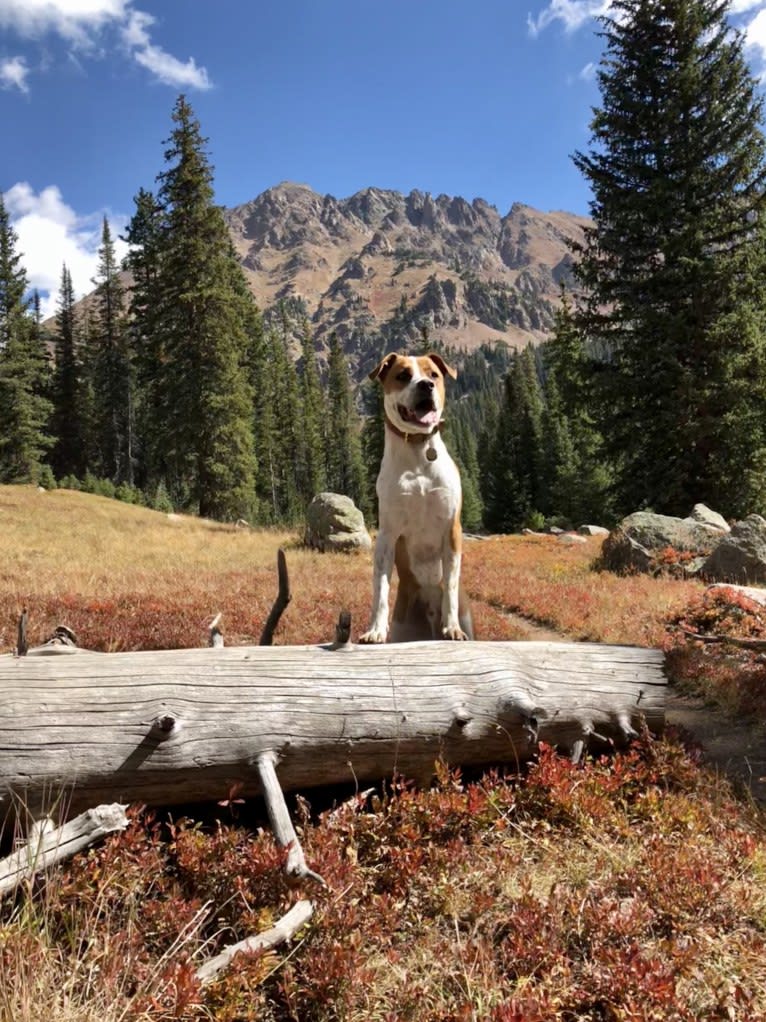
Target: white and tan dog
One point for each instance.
(419, 501)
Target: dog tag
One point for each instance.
(431, 454)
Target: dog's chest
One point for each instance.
(420, 499)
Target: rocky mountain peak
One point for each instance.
(381, 262)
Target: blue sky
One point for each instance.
(471, 97)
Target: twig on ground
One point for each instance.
(46, 848)
(283, 930)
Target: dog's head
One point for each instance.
(413, 387)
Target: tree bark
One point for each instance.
(185, 725)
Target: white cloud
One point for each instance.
(164, 66)
(588, 73)
(573, 14)
(13, 74)
(51, 234)
(77, 21)
(85, 25)
(755, 35)
(740, 6)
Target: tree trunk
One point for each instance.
(185, 725)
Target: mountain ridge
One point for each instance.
(382, 262)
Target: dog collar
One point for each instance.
(414, 438)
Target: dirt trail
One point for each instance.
(735, 748)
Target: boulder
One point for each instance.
(570, 539)
(702, 513)
(740, 556)
(593, 530)
(334, 522)
(756, 595)
(640, 539)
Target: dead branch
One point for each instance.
(283, 930)
(279, 817)
(46, 847)
(216, 635)
(759, 644)
(283, 598)
(21, 641)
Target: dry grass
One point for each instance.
(629, 889)
(125, 577)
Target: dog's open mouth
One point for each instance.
(425, 413)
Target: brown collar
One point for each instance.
(414, 438)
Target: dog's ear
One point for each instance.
(445, 369)
(380, 370)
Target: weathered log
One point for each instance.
(185, 725)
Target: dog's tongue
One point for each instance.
(426, 418)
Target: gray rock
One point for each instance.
(334, 522)
(702, 513)
(756, 595)
(593, 530)
(638, 540)
(741, 555)
(570, 539)
(622, 553)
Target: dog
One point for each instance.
(419, 501)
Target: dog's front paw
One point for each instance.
(454, 633)
(374, 636)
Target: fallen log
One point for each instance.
(176, 726)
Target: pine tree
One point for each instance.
(560, 477)
(312, 451)
(69, 451)
(514, 463)
(577, 471)
(345, 468)
(674, 265)
(199, 323)
(112, 370)
(290, 503)
(144, 235)
(373, 439)
(24, 408)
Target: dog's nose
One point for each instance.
(426, 385)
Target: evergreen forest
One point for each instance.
(180, 393)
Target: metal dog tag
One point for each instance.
(431, 454)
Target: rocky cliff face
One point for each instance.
(383, 262)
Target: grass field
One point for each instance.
(629, 888)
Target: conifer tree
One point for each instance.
(290, 502)
(312, 461)
(373, 440)
(24, 408)
(199, 322)
(345, 468)
(69, 451)
(514, 464)
(111, 370)
(462, 444)
(577, 471)
(674, 265)
(560, 478)
(144, 235)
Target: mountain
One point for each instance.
(383, 263)
(378, 267)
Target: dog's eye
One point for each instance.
(404, 376)
(434, 375)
